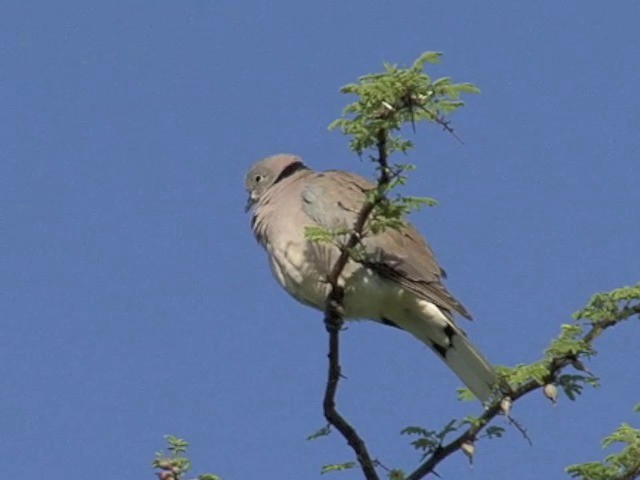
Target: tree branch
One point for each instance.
(334, 319)
(494, 410)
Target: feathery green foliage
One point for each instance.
(175, 464)
(338, 467)
(321, 432)
(395, 97)
(617, 466)
(575, 342)
(430, 440)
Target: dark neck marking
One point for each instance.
(290, 170)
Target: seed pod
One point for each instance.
(469, 450)
(551, 392)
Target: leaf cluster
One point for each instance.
(606, 307)
(390, 99)
(575, 343)
(391, 212)
(617, 466)
(338, 467)
(429, 441)
(174, 464)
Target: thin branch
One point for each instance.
(444, 123)
(494, 409)
(520, 428)
(334, 319)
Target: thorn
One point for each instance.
(505, 405)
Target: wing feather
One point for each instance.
(333, 200)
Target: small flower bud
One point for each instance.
(165, 475)
(551, 392)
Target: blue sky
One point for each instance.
(136, 303)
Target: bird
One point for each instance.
(398, 282)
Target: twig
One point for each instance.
(444, 123)
(334, 319)
(520, 428)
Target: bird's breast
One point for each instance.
(301, 268)
(299, 273)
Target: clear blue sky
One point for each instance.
(135, 301)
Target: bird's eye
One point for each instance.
(258, 178)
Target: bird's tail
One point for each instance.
(469, 365)
(451, 344)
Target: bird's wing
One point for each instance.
(333, 199)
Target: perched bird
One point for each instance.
(399, 281)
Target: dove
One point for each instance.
(397, 282)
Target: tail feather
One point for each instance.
(450, 343)
(470, 366)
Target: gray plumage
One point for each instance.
(399, 283)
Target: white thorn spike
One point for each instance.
(505, 405)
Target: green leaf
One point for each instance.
(177, 445)
(494, 431)
(426, 57)
(622, 464)
(397, 475)
(321, 432)
(316, 233)
(338, 467)
(615, 305)
(520, 374)
(428, 441)
(415, 203)
(472, 421)
(465, 395)
(467, 88)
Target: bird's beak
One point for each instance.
(249, 204)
